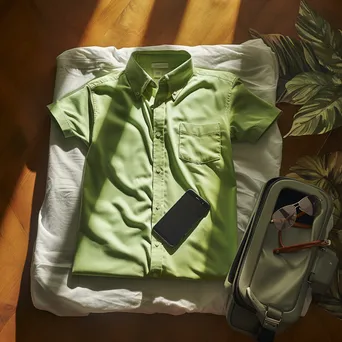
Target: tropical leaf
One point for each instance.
(289, 52)
(321, 115)
(282, 95)
(306, 85)
(311, 58)
(322, 171)
(325, 41)
(293, 56)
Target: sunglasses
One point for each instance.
(286, 217)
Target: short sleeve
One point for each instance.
(72, 114)
(250, 116)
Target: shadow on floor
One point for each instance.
(33, 34)
(164, 22)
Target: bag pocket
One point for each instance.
(199, 144)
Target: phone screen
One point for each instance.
(181, 219)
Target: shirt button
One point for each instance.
(156, 244)
(157, 208)
(159, 170)
(158, 135)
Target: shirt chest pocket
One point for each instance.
(199, 144)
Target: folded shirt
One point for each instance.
(52, 287)
(154, 130)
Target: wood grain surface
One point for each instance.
(33, 33)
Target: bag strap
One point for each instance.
(266, 335)
(269, 318)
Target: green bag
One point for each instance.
(283, 258)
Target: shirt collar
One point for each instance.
(176, 79)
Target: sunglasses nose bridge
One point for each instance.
(284, 217)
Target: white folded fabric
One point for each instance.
(52, 286)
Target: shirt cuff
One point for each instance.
(270, 116)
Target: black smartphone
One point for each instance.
(181, 219)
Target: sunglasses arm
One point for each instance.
(298, 247)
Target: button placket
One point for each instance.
(157, 249)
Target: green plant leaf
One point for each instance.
(306, 85)
(321, 115)
(311, 58)
(289, 52)
(322, 171)
(324, 40)
(294, 57)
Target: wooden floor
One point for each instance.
(32, 34)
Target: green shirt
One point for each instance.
(153, 131)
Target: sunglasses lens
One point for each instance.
(285, 217)
(307, 204)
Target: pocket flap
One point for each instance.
(199, 130)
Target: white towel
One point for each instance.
(52, 287)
